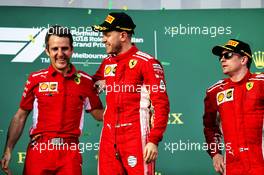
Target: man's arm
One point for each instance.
(219, 164)
(98, 114)
(99, 75)
(150, 152)
(14, 132)
(153, 75)
(100, 86)
(99, 78)
(212, 131)
(93, 103)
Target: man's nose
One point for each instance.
(221, 58)
(60, 52)
(104, 39)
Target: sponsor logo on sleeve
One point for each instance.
(162, 83)
(157, 68)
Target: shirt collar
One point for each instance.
(127, 54)
(53, 72)
(243, 80)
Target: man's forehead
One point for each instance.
(224, 51)
(110, 32)
(58, 39)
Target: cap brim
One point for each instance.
(98, 28)
(217, 50)
(102, 27)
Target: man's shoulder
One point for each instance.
(84, 75)
(142, 56)
(216, 86)
(108, 58)
(145, 58)
(39, 73)
(257, 77)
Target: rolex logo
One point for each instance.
(258, 58)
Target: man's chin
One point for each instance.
(61, 66)
(109, 52)
(225, 72)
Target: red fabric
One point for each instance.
(128, 146)
(58, 102)
(50, 162)
(127, 115)
(241, 109)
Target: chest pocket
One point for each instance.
(133, 73)
(253, 91)
(48, 101)
(74, 98)
(128, 76)
(253, 97)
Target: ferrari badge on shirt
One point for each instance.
(77, 79)
(132, 63)
(249, 85)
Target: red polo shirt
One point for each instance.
(58, 101)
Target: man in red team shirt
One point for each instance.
(134, 82)
(239, 101)
(58, 97)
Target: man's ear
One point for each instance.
(244, 60)
(123, 36)
(47, 52)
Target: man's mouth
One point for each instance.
(61, 60)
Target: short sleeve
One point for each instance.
(28, 96)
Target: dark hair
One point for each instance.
(129, 34)
(249, 62)
(58, 31)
